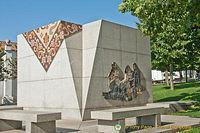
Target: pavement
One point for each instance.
(170, 123)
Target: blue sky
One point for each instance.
(19, 16)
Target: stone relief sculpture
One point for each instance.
(123, 86)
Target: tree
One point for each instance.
(2, 53)
(167, 22)
(11, 69)
(8, 66)
(158, 62)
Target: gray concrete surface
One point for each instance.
(120, 113)
(106, 42)
(35, 121)
(169, 123)
(30, 116)
(145, 115)
(105, 126)
(10, 125)
(41, 127)
(77, 77)
(149, 120)
(10, 107)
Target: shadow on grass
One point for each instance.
(193, 97)
(184, 97)
(184, 85)
(175, 98)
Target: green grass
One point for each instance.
(193, 130)
(191, 114)
(183, 92)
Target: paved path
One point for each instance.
(168, 121)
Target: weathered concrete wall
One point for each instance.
(78, 76)
(103, 43)
(54, 89)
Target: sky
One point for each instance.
(19, 16)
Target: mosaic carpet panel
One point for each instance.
(46, 40)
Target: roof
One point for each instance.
(3, 43)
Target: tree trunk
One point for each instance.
(166, 78)
(181, 76)
(194, 74)
(171, 77)
(190, 73)
(186, 78)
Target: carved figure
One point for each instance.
(123, 86)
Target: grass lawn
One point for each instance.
(183, 92)
(193, 130)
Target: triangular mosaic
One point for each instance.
(46, 40)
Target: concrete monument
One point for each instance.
(76, 68)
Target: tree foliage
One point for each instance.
(174, 29)
(8, 66)
(2, 53)
(11, 69)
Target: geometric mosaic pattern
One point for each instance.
(46, 40)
